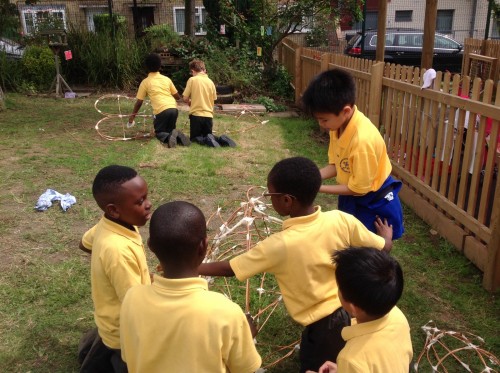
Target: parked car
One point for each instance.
(404, 47)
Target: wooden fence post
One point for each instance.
(491, 277)
(377, 74)
(298, 75)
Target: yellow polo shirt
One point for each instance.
(379, 346)
(300, 257)
(118, 263)
(160, 90)
(360, 155)
(177, 325)
(201, 90)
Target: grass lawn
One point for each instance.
(45, 303)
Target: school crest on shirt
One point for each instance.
(344, 165)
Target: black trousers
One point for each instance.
(199, 126)
(322, 341)
(165, 122)
(96, 357)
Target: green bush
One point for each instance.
(38, 67)
(278, 83)
(269, 104)
(161, 36)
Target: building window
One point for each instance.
(35, 16)
(404, 15)
(444, 21)
(90, 13)
(200, 16)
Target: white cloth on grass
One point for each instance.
(50, 195)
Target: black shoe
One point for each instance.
(172, 140)
(183, 139)
(225, 140)
(210, 141)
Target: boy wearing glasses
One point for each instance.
(300, 257)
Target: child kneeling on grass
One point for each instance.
(176, 324)
(164, 96)
(370, 283)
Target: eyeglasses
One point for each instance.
(266, 193)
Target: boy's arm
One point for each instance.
(339, 189)
(83, 248)
(384, 230)
(137, 106)
(177, 96)
(216, 269)
(328, 172)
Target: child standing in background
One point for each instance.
(357, 154)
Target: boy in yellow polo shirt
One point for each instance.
(300, 257)
(357, 154)
(176, 324)
(200, 94)
(164, 96)
(118, 259)
(370, 283)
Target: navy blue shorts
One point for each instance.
(384, 203)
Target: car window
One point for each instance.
(410, 40)
(373, 40)
(442, 42)
(354, 40)
(389, 39)
(404, 40)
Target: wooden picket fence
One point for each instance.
(443, 142)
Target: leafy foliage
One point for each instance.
(160, 36)
(38, 67)
(270, 104)
(100, 60)
(9, 20)
(109, 25)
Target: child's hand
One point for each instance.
(251, 323)
(327, 367)
(384, 230)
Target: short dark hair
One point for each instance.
(297, 176)
(329, 92)
(108, 180)
(153, 62)
(370, 279)
(175, 231)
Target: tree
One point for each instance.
(265, 23)
(189, 11)
(9, 20)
